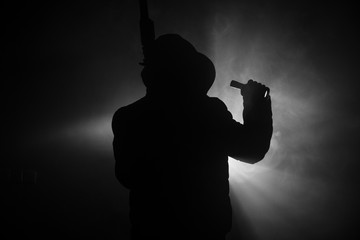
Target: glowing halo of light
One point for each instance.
(277, 193)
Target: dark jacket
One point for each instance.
(172, 154)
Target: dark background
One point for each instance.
(69, 66)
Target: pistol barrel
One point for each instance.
(237, 84)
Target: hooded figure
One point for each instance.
(176, 67)
(171, 147)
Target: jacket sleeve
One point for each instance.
(249, 142)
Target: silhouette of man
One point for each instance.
(171, 147)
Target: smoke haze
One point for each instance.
(69, 67)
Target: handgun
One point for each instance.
(241, 86)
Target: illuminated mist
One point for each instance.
(293, 192)
(74, 65)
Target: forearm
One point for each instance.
(258, 142)
(249, 142)
(259, 127)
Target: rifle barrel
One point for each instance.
(144, 13)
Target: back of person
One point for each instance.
(171, 147)
(179, 179)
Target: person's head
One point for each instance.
(176, 67)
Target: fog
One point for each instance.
(71, 66)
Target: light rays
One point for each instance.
(279, 195)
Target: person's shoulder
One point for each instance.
(132, 107)
(217, 103)
(218, 108)
(128, 111)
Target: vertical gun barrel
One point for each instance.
(147, 30)
(144, 13)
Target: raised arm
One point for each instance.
(249, 142)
